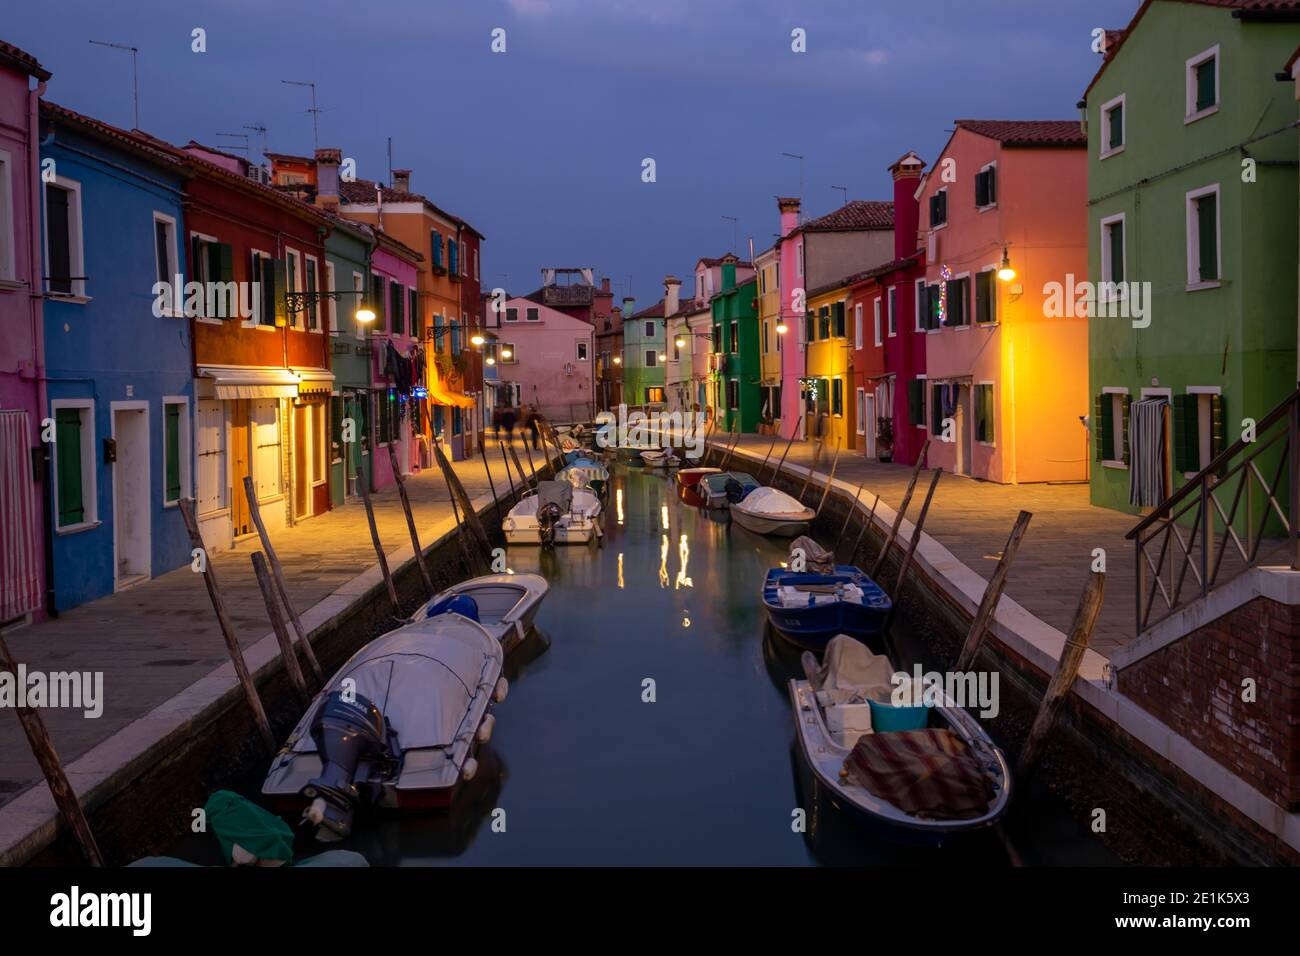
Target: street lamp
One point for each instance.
(618, 360)
(1005, 272)
(477, 341)
(680, 342)
(365, 314)
(782, 328)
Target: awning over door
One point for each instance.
(231, 383)
(314, 381)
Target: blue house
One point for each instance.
(118, 356)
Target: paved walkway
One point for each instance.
(973, 519)
(154, 640)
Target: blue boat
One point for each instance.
(809, 609)
(585, 473)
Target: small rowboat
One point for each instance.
(396, 728)
(918, 775)
(726, 488)
(554, 513)
(769, 511)
(691, 476)
(660, 458)
(505, 604)
(808, 610)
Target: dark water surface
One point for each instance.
(582, 770)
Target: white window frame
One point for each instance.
(1106, 151)
(1117, 421)
(875, 309)
(1199, 390)
(8, 236)
(89, 466)
(651, 358)
(918, 292)
(173, 261)
(891, 310)
(968, 303)
(860, 408)
(946, 212)
(583, 351)
(1194, 282)
(994, 204)
(857, 325)
(292, 277)
(310, 262)
(1190, 113)
(1106, 222)
(358, 290)
(76, 241)
(330, 318)
(187, 488)
(252, 321)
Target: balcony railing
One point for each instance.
(1239, 512)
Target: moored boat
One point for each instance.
(586, 473)
(504, 604)
(917, 774)
(726, 488)
(396, 727)
(687, 477)
(554, 513)
(660, 458)
(770, 511)
(809, 609)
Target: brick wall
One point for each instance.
(1194, 685)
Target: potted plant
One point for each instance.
(884, 439)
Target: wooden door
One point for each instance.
(301, 469)
(240, 455)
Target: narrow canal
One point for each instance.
(582, 769)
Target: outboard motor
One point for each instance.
(346, 734)
(734, 490)
(548, 516)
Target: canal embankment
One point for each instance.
(1150, 794)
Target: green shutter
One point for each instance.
(991, 176)
(172, 451)
(377, 301)
(1103, 427)
(1125, 404)
(1207, 223)
(1187, 433)
(839, 319)
(984, 297)
(1205, 77)
(936, 410)
(1116, 117)
(981, 189)
(279, 284)
(916, 401)
(1116, 252)
(395, 295)
(67, 437)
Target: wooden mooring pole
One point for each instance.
(770, 449)
(777, 470)
(898, 518)
(523, 479)
(514, 496)
(410, 519)
(866, 525)
(186, 507)
(848, 516)
(65, 798)
(992, 594)
(488, 469)
(911, 546)
(281, 630)
(459, 494)
(1067, 668)
(277, 572)
(830, 482)
(363, 483)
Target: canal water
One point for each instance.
(648, 723)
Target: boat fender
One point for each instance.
(485, 729)
(315, 813)
(468, 769)
(499, 692)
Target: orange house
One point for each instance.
(1004, 218)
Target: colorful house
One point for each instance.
(736, 392)
(643, 357)
(889, 335)
(829, 377)
(1192, 245)
(814, 255)
(678, 393)
(24, 458)
(117, 355)
(395, 353)
(545, 358)
(609, 359)
(263, 383)
(768, 270)
(1007, 392)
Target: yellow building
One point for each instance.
(828, 383)
(770, 341)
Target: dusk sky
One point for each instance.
(541, 147)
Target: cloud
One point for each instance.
(531, 8)
(875, 57)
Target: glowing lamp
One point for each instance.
(490, 360)
(477, 340)
(365, 314)
(506, 353)
(679, 342)
(782, 328)
(618, 360)
(1005, 272)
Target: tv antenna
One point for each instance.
(313, 110)
(135, 72)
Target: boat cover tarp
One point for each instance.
(817, 560)
(233, 820)
(421, 677)
(928, 773)
(555, 492)
(772, 502)
(850, 672)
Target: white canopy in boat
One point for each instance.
(771, 502)
(422, 677)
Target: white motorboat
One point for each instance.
(397, 727)
(505, 604)
(915, 774)
(554, 513)
(771, 511)
(660, 458)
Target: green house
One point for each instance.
(643, 357)
(736, 366)
(347, 268)
(1192, 192)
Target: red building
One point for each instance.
(262, 368)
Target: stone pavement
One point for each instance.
(154, 640)
(973, 519)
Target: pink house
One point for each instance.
(22, 367)
(397, 357)
(1004, 217)
(546, 359)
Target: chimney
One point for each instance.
(327, 178)
(604, 284)
(907, 176)
(402, 180)
(728, 273)
(789, 208)
(629, 304)
(672, 295)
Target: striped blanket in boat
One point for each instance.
(928, 773)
